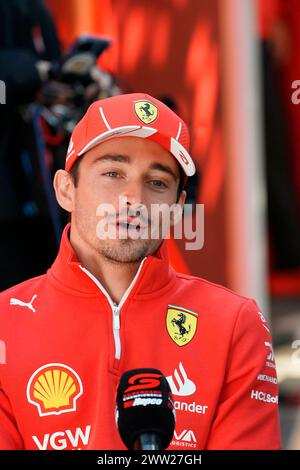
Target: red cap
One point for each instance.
(135, 115)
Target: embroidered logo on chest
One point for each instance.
(181, 324)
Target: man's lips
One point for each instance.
(131, 224)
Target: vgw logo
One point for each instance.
(61, 440)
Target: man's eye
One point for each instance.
(112, 174)
(158, 184)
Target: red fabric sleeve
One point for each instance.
(247, 415)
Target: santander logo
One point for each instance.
(180, 384)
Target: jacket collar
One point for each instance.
(155, 274)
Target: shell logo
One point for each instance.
(54, 389)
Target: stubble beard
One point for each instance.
(128, 250)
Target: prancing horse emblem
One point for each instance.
(181, 324)
(146, 111)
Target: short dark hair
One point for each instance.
(74, 172)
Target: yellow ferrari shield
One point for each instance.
(181, 324)
(145, 111)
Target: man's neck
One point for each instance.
(115, 277)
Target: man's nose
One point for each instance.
(133, 194)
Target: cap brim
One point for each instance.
(176, 149)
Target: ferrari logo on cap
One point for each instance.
(146, 111)
(181, 324)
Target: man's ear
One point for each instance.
(64, 190)
(182, 198)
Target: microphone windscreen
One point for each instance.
(145, 405)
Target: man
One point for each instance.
(113, 303)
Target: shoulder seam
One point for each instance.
(205, 281)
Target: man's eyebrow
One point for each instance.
(113, 157)
(122, 158)
(165, 168)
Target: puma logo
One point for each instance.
(24, 304)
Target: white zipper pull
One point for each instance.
(115, 308)
(116, 318)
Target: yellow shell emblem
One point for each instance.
(146, 111)
(181, 324)
(54, 389)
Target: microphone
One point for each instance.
(145, 413)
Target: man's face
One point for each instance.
(115, 177)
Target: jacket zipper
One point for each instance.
(115, 308)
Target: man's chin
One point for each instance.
(125, 251)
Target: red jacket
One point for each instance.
(64, 346)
